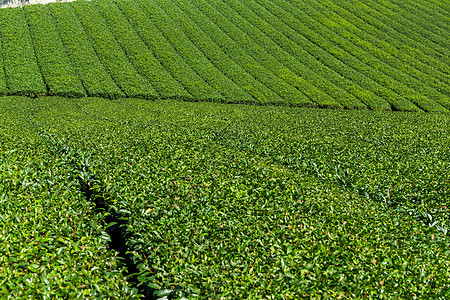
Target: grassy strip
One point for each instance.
(233, 49)
(55, 65)
(265, 58)
(166, 54)
(329, 53)
(215, 54)
(193, 56)
(415, 90)
(139, 54)
(82, 55)
(236, 12)
(111, 55)
(53, 244)
(211, 217)
(23, 76)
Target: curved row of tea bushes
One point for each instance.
(210, 215)
(219, 58)
(3, 88)
(166, 53)
(290, 94)
(111, 54)
(401, 40)
(343, 90)
(435, 11)
(419, 17)
(284, 52)
(193, 56)
(367, 62)
(438, 42)
(372, 93)
(53, 244)
(55, 66)
(383, 50)
(22, 73)
(317, 85)
(377, 79)
(82, 55)
(140, 56)
(266, 59)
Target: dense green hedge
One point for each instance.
(367, 62)
(317, 86)
(22, 72)
(367, 38)
(335, 54)
(266, 59)
(193, 56)
(166, 53)
(249, 61)
(215, 54)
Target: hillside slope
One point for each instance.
(362, 54)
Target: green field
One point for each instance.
(156, 149)
(222, 200)
(363, 54)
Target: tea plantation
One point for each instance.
(156, 149)
(362, 54)
(207, 200)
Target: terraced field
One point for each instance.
(134, 163)
(363, 54)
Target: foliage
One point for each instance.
(111, 54)
(58, 73)
(90, 70)
(329, 54)
(226, 201)
(22, 72)
(53, 243)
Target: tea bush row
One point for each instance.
(139, 54)
(247, 43)
(357, 68)
(361, 86)
(366, 38)
(435, 38)
(239, 14)
(55, 66)
(400, 39)
(22, 73)
(367, 62)
(166, 53)
(287, 92)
